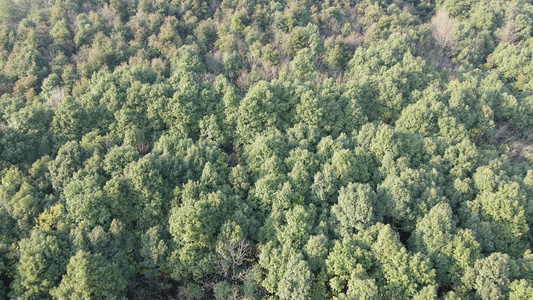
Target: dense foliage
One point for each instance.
(372, 149)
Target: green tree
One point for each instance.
(91, 276)
(384, 76)
(118, 157)
(263, 108)
(296, 281)
(61, 37)
(83, 32)
(451, 250)
(407, 197)
(40, 267)
(86, 202)
(521, 289)
(193, 225)
(303, 65)
(490, 277)
(428, 117)
(354, 209)
(149, 191)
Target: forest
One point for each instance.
(266, 149)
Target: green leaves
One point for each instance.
(266, 149)
(395, 271)
(262, 109)
(91, 275)
(490, 277)
(193, 225)
(451, 251)
(296, 280)
(43, 259)
(354, 209)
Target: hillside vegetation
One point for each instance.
(253, 149)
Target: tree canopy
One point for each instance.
(373, 149)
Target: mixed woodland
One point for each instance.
(266, 149)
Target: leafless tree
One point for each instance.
(143, 148)
(443, 28)
(508, 32)
(55, 97)
(214, 62)
(233, 259)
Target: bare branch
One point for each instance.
(55, 97)
(443, 28)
